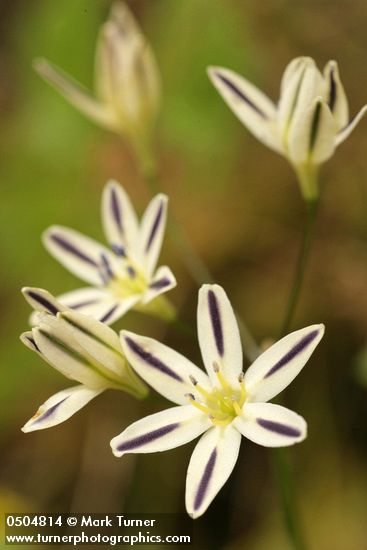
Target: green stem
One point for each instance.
(281, 461)
(285, 480)
(301, 264)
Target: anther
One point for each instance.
(241, 377)
(216, 367)
(190, 396)
(193, 380)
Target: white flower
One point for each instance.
(225, 403)
(125, 276)
(126, 80)
(82, 349)
(310, 120)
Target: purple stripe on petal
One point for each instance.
(155, 226)
(116, 212)
(33, 343)
(43, 302)
(144, 439)
(216, 322)
(278, 428)
(109, 314)
(151, 360)
(205, 480)
(161, 283)
(332, 91)
(72, 249)
(241, 95)
(118, 250)
(293, 352)
(49, 411)
(106, 266)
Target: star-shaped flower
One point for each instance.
(127, 83)
(124, 276)
(225, 403)
(310, 120)
(82, 349)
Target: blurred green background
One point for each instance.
(242, 210)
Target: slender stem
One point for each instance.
(285, 479)
(196, 266)
(301, 264)
(281, 461)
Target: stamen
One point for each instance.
(241, 377)
(193, 380)
(190, 396)
(236, 406)
(221, 378)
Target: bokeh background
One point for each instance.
(241, 208)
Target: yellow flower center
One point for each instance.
(129, 281)
(223, 403)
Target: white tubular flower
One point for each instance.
(83, 350)
(310, 120)
(225, 403)
(124, 276)
(127, 84)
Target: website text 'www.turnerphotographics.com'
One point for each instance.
(103, 529)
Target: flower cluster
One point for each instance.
(71, 332)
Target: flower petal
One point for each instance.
(162, 281)
(78, 253)
(345, 132)
(219, 337)
(335, 95)
(119, 219)
(60, 407)
(249, 104)
(55, 342)
(211, 464)
(28, 340)
(75, 93)
(271, 425)
(275, 369)
(312, 135)
(41, 300)
(161, 431)
(167, 371)
(302, 82)
(152, 229)
(88, 300)
(103, 344)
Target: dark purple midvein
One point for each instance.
(72, 249)
(116, 212)
(239, 93)
(154, 227)
(50, 411)
(205, 480)
(43, 302)
(119, 250)
(33, 342)
(106, 266)
(108, 314)
(278, 428)
(332, 91)
(161, 283)
(293, 352)
(144, 439)
(216, 322)
(151, 360)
